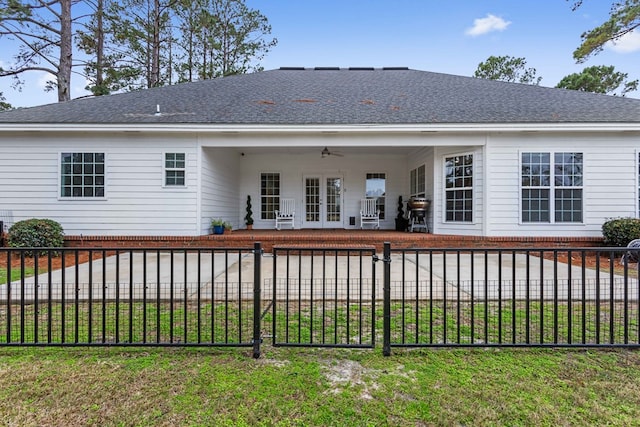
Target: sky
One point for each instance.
(446, 36)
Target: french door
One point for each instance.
(323, 201)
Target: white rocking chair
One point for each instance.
(369, 213)
(286, 214)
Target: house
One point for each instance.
(494, 158)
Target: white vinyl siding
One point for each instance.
(609, 187)
(220, 187)
(218, 178)
(135, 204)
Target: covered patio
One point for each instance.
(325, 179)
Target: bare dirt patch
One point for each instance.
(342, 374)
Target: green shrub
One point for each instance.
(620, 231)
(36, 233)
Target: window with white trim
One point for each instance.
(417, 185)
(269, 195)
(174, 169)
(82, 175)
(459, 188)
(552, 183)
(375, 188)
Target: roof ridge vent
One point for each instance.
(361, 68)
(395, 68)
(327, 68)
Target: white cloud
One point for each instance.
(487, 25)
(630, 42)
(42, 80)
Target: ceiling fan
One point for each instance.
(326, 152)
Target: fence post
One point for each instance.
(386, 321)
(257, 286)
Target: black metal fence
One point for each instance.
(158, 297)
(511, 297)
(329, 297)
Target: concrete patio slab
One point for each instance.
(134, 275)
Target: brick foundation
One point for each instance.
(328, 238)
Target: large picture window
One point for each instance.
(82, 175)
(375, 188)
(459, 188)
(551, 187)
(269, 195)
(174, 169)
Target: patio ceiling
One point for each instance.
(318, 150)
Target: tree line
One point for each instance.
(134, 44)
(596, 79)
(118, 45)
(624, 17)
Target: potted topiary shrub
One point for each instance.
(248, 218)
(401, 222)
(218, 225)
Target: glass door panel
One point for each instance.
(334, 201)
(312, 200)
(322, 201)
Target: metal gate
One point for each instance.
(323, 297)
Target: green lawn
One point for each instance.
(290, 387)
(309, 387)
(15, 274)
(424, 322)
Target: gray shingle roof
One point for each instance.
(344, 96)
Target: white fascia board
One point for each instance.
(322, 129)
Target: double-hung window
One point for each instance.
(82, 175)
(552, 187)
(459, 188)
(174, 169)
(269, 195)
